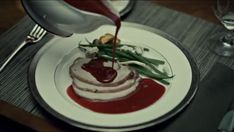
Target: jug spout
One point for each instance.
(64, 19)
(84, 22)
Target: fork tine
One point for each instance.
(33, 30)
(44, 33)
(40, 32)
(37, 31)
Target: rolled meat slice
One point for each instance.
(85, 85)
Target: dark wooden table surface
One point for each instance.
(11, 12)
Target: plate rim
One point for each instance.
(187, 99)
(124, 12)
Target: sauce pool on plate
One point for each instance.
(147, 93)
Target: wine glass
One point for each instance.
(223, 43)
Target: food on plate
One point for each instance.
(126, 54)
(93, 79)
(101, 77)
(107, 38)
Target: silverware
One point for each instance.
(34, 36)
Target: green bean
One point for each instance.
(155, 61)
(141, 59)
(105, 54)
(120, 54)
(131, 56)
(148, 73)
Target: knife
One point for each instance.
(227, 122)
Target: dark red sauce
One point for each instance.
(102, 73)
(147, 93)
(114, 46)
(98, 6)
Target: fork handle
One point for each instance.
(13, 54)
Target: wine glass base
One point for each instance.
(220, 47)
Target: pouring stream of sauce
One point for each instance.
(100, 7)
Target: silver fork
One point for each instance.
(34, 36)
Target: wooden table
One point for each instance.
(12, 12)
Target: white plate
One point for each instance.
(49, 78)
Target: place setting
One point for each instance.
(114, 75)
(51, 72)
